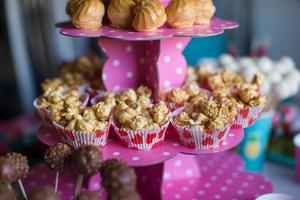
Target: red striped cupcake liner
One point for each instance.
(141, 139)
(247, 116)
(198, 139)
(78, 138)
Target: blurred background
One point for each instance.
(31, 49)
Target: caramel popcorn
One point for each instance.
(249, 96)
(192, 89)
(140, 115)
(128, 96)
(178, 96)
(103, 111)
(143, 91)
(51, 84)
(210, 108)
(207, 115)
(191, 75)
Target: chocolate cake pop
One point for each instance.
(21, 164)
(88, 160)
(8, 171)
(7, 194)
(22, 168)
(88, 196)
(45, 193)
(126, 195)
(57, 157)
(117, 176)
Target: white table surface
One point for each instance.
(283, 178)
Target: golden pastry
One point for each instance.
(181, 13)
(88, 14)
(149, 15)
(71, 7)
(120, 13)
(205, 11)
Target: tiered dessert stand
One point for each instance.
(155, 59)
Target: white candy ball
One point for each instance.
(265, 64)
(266, 87)
(246, 62)
(274, 77)
(233, 67)
(249, 72)
(288, 61)
(282, 90)
(226, 59)
(280, 67)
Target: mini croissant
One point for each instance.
(88, 14)
(181, 13)
(205, 11)
(149, 15)
(120, 13)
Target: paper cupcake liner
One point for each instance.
(199, 139)
(247, 116)
(43, 113)
(98, 97)
(141, 139)
(78, 138)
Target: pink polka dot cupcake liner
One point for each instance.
(141, 139)
(43, 114)
(247, 116)
(78, 138)
(196, 139)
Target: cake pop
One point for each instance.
(7, 194)
(22, 169)
(45, 193)
(119, 180)
(88, 160)
(8, 171)
(88, 196)
(57, 157)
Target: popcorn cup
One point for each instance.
(43, 113)
(78, 138)
(247, 116)
(98, 97)
(198, 139)
(141, 139)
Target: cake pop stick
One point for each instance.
(8, 172)
(22, 168)
(56, 157)
(88, 160)
(45, 193)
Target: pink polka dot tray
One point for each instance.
(209, 177)
(170, 148)
(216, 27)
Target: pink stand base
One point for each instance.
(222, 177)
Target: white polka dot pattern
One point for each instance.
(216, 27)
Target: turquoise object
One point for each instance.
(254, 145)
(199, 48)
